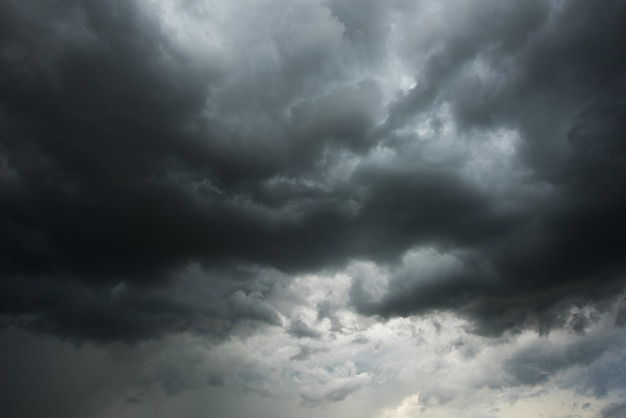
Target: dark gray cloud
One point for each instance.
(306, 352)
(127, 156)
(28, 391)
(614, 410)
(204, 302)
(538, 363)
(300, 329)
(557, 78)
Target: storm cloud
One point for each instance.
(317, 169)
(126, 155)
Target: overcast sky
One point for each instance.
(312, 208)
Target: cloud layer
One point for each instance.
(141, 137)
(317, 169)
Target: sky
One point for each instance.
(312, 208)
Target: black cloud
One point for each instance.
(561, 81)
(124, 159)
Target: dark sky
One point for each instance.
(280, 200)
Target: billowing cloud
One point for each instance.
(321, 181)
(133, 146)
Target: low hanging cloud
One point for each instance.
(141, 138)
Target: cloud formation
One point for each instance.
(132, 147)
(331, 183)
